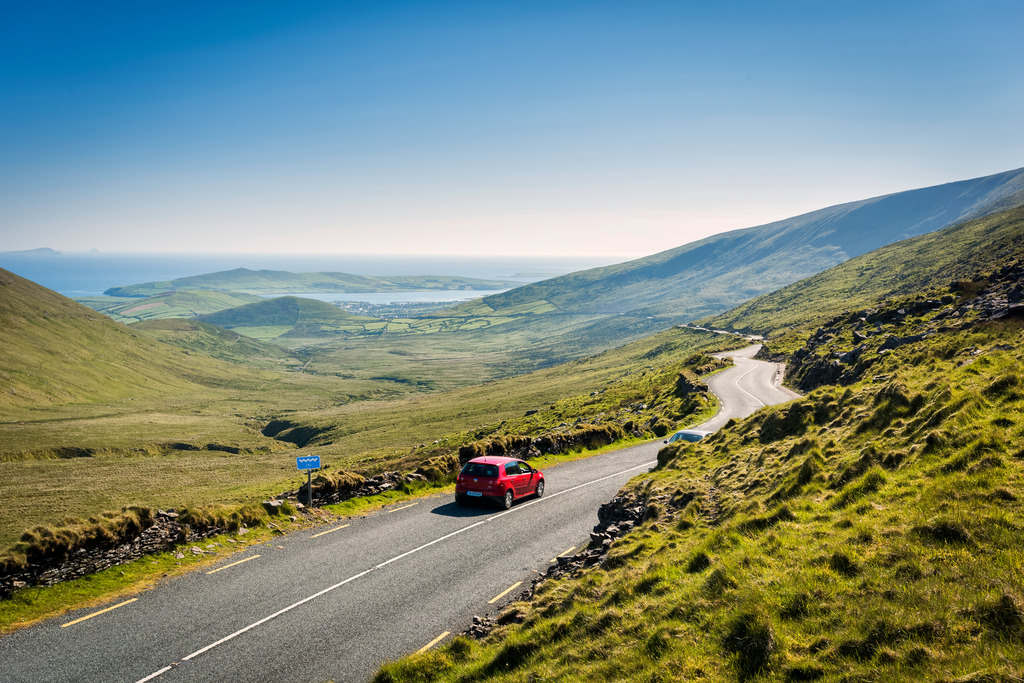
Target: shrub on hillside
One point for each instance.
(662, 426)
(500, 445)
(751, 639)
(587, 436)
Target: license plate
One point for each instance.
(475, 494)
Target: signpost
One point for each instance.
(309, 463)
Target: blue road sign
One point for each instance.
(309, 462)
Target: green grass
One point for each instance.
(58, 352)
(870, 532)
(369, 436)
(219, 343)
(133, 443)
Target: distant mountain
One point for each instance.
(280, 281)
(714, 274)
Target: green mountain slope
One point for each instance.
(58, 351)
(184, 303)
(869, 531)
(217, 342)
(933, 260)
(279, 281)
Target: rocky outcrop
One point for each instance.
(165, 532)
(324, 494)
(843, 349)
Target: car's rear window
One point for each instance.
(478, 469)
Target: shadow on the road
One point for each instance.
(470, 510)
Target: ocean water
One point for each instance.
(76, 274)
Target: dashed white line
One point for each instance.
(394, 559)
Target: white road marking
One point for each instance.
(396, 558)
(737, 383)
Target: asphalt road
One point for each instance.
(333, 603)
(746, 387)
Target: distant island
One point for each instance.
(41, 251)
(284, 282)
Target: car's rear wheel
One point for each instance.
(509, 497)
(461, 498)
(540, 488)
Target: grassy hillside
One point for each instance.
(180, 304)
(866, 532)
(56, 351)
(280, 281)
(287, 315)
(206, 444)
(219, 343)
(933, 260)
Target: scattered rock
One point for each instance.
(481, 627)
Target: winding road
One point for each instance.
(335, 602)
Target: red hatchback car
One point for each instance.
(502, 480)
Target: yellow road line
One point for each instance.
(233, 564)
(330, 531)
(564, 554)
(434, 642)
(404, 507)
(505, 592)
(96, 614)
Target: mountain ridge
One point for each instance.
(769, 256)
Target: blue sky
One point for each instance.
(592, 128)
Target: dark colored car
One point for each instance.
(688, 435)
(502, 480)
